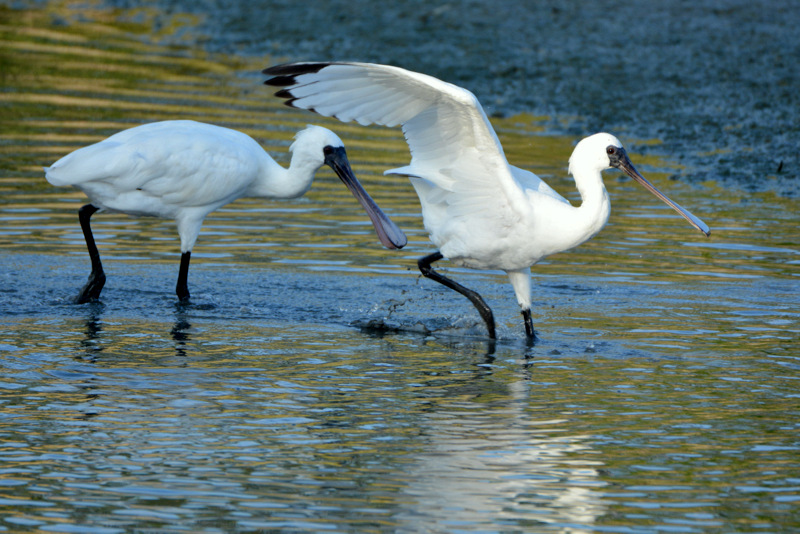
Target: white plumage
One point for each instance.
(480, 212)
(184, 170)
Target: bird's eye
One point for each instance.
(611, 150)
(328, 150)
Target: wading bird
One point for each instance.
(184, 170)
(481, 212)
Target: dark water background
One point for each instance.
(663, 395)
(715, 81)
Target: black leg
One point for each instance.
(182, 289)
(97, 278)
(474, 298)
(526, 315)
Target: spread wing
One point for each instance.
(452, 144)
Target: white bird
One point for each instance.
(184, 170)
(481, 212)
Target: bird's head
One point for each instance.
(319, 146)
(603, 151)
(598, 152)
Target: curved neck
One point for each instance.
(595, 206)
(275, 181)
(581, 223)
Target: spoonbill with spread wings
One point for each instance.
(481, 212)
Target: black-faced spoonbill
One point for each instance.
(481, 212)
(184, 170)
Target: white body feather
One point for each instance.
(480, 212)
(184, 170)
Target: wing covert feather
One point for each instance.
(451, 140)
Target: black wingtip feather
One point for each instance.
(285, 76)
(284, 93)
(280, 81)
(294, 69)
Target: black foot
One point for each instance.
(91, 291)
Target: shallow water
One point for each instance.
(317, 383)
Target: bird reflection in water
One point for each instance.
(90, 345)
(180, 332)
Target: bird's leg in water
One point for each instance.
(182, 289)
(97, 278)
(474, 298)
(526, 315)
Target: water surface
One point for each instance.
(317, 383)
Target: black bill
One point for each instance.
(389, 233)
(624, 164)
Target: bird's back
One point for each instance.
(156, 168)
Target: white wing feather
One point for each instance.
(452, 142)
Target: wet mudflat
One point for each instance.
(317, 383)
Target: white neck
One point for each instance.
(589, 218)
(596, 206)
(276, 182)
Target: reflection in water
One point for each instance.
(487, 464)
(180, 333)
(90, 345)
(279, 427)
